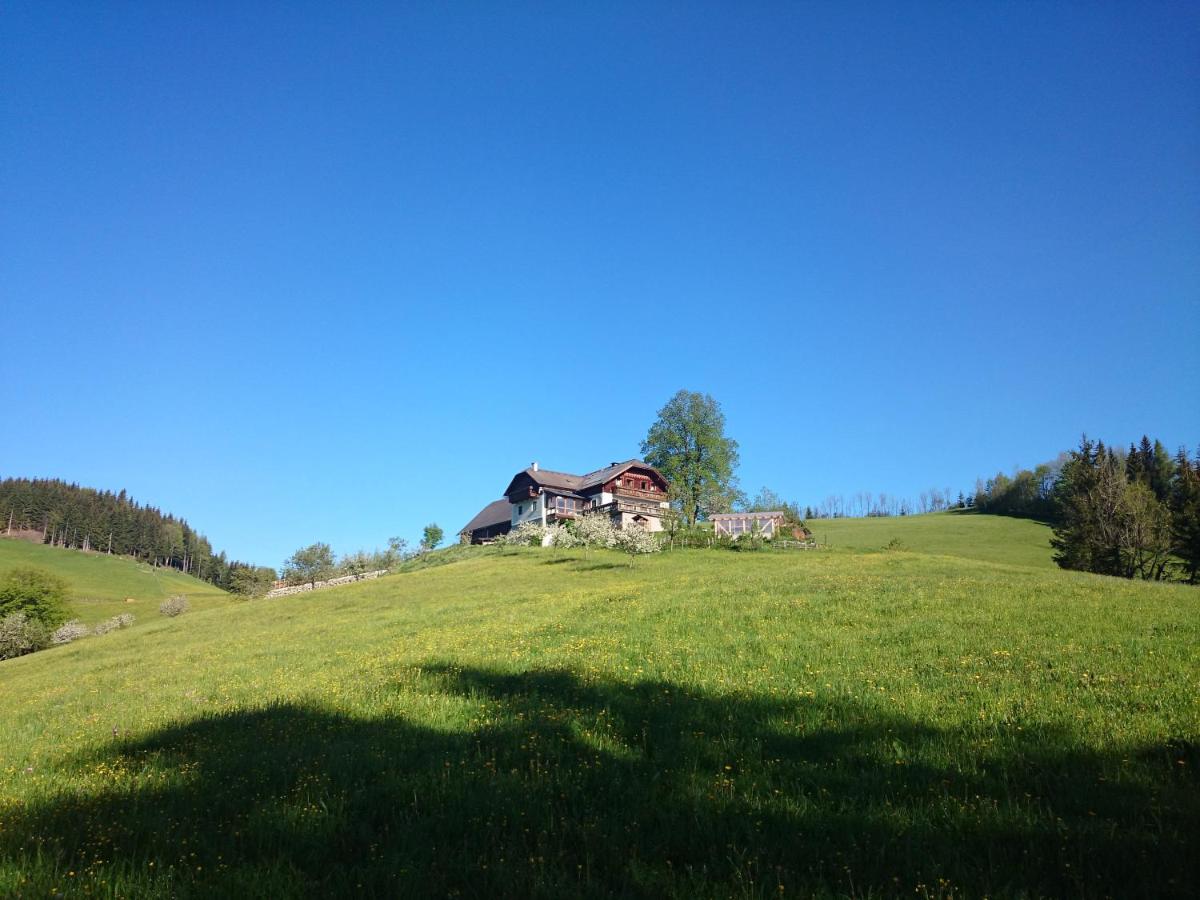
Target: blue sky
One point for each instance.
(332, 271)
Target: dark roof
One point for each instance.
(494, 513)
(564, 481)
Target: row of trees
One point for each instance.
(317, 562)
(1135, 514)
(67, 515)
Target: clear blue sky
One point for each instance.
(331, 271)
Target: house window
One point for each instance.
(520, 509)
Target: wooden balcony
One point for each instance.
(635, 507)
(637, 494)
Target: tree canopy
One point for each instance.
(687, 443)
(37, 593)
(310, 564)
(432, 536)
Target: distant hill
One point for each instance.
(970, 535)
(62, 514)
(100, 584)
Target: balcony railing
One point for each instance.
(618, 505)
(639, 494)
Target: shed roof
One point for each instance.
(771, 514)
(495, 513)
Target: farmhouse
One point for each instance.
(629, 492)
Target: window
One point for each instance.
(520, 509)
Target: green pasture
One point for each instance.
(101, 584)
(525, 723)
(967, 534)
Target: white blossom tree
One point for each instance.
(633, 539)
(595, 530)
(527, 534)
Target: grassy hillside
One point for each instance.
(100, 584)
(708, 723)
(992, 538)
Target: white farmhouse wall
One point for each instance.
(533, 509)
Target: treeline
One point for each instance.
(1029, 494)
(865, 504)
(1133, 513)
(67, 515)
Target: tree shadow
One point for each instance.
(557, 786)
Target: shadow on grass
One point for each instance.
(560, 787)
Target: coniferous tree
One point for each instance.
(67, 515)
(1185, 514)
(1160, 472)
(1134, 469)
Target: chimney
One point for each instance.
(534, 465)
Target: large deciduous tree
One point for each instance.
(309, 565)
(687, 443)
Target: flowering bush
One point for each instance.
(634, 539)
(595, 530)
(562, 537)
(122, 621)
(174, 606)
(21, 634)
(527, 534)
(69, 631)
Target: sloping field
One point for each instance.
(705, 724)
(100, 584)
(966, 534)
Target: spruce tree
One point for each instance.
(1134, 469)
(1185, 514)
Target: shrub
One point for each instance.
(527, 534)
(39, 594)
(251, 581)
(634, 540)
(69, 631)
(174, 606)
(562, 537)
(20, 633)
(595, 530)
(124, 620)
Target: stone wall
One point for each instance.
(332, 582)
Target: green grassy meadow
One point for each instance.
(955, 533)
(840, 723)
(101, 584)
